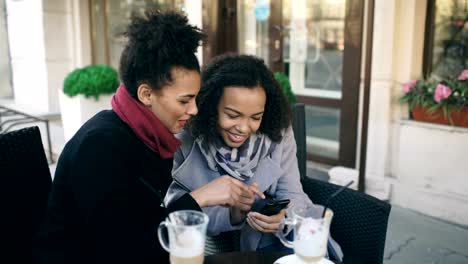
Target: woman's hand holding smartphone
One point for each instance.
(263, 223)
(273, 207)
(267, 220)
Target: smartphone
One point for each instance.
(274, 207)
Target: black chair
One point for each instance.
(222, 243)
(298, 125)
(359, 222)
(25, 183)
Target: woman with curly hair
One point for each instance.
(242, 130)
(107, 196)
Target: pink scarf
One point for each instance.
(144, 123)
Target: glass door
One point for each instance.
(319, 45)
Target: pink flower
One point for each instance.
(442, 92)
(463, 75)
(407, 87)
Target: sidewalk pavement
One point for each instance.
(416, 238)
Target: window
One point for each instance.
(109, 19)
(446, 51)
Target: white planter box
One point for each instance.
(77, 110)
(432, 175)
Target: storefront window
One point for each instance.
(448, 33)
(109, 19)
(314, 45)
(313, 33)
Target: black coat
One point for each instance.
(106, 200)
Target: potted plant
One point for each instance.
(85, 92)
(438, 101)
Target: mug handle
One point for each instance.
(281, 236)
(164, 243)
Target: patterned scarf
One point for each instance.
(240, 162)
(144, 124)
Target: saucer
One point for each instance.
(293, 259)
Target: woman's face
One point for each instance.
(175, 103)
(240, 112)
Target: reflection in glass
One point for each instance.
(313, 45)
(252, 24)
(323, 131)
(314, 42)
(450, 50)
(109, 20)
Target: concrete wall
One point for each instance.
(193, 9)
(58, 38)
(47, 40)
(26, 40)
(382, 82)
(433, 170)
(420, 166)
(5, 71)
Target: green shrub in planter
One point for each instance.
(283, 80)
(91, 81)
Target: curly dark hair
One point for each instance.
(244, 71)
(157, 42)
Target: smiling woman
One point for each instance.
(242, 133)
(174, 104)
(240, 112)
(111, 176)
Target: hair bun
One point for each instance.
(167, 34)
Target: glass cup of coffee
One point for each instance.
(187, 233)
(311, 232)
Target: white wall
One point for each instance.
(409, 46)
(433, 170)
(58, 37)
(380, 96)
(47, 40)
(425, 165)
(397, 55)
(5, 71)
(26, 40)
(193, 9)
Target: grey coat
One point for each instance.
(277, 174)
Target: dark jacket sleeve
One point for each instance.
(185, 202)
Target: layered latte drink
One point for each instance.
(311, 244)
(187, 248)
(187, 232)
(311, 233)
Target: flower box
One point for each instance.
(440, 101)
(455, 117)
